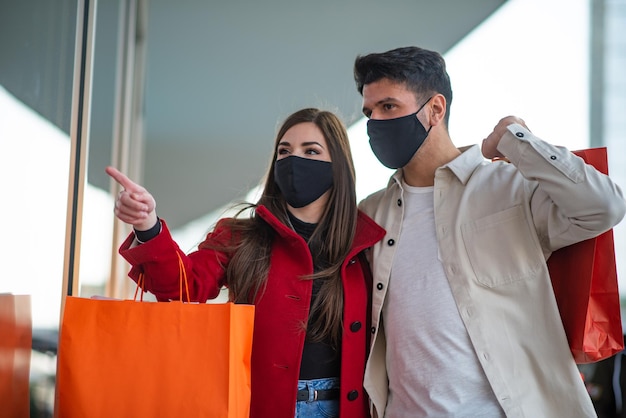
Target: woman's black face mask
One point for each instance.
(302, 180)
(395, 141)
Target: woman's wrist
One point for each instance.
(148, 234)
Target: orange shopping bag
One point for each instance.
(584, 278)
(154, 359)
(15, 351)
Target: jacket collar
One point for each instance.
(367, 233)
(462, 166)
(465, 164)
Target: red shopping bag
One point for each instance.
(154, 359)
(584, 278)
(15, 351)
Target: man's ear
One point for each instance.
(438, 109)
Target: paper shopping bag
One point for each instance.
(154, 359)
(584, 278)
(15, 351)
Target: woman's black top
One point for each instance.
(319, 359)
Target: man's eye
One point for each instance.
(388, 106)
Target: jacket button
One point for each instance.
(379, 286)
(391, 242)
(553, 157)
(373, 330)
(519, 134)
(352, 395)
(399, 202)
(355, 326)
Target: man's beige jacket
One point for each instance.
(496, 224)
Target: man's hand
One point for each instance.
(134, 205)
(490, 144)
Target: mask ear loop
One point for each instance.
(418, 110)
(422, 106)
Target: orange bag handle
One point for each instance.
(182, 277)
(140, 282)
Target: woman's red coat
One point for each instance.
(278, 338)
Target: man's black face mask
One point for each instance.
(395, 141)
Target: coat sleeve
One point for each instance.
(570, 201)
(157, 260)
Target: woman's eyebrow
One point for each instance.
(306, 144)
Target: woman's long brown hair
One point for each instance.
(247, 271)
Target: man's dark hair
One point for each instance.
(421, 70)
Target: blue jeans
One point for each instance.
(318, 409)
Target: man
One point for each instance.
(464, 319)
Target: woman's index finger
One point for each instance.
(121, 178)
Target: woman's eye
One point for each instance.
(283, 151)
(312, 152)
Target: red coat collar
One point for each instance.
(367, 233)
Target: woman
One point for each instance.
(296, 257)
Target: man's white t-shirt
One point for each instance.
(432, 367)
